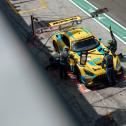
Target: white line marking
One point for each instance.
(124, 37)
(106, 15)
(97, 21)
(91, 10)
(101, 18)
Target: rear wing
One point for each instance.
(60, 24)
(75, 19)
(69, 22)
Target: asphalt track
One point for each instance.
(104, 20)
(89, 108)
(117, 9)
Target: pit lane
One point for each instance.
(110, 99)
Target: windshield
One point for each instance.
(85, 45)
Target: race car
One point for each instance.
(86, 54)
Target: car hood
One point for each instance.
(94, 60)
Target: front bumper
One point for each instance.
(95, 80)
(103, 78)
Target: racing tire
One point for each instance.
(77, 72)
(55, 47)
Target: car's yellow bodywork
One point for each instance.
(92, 69)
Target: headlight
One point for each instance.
(89, 73)
(118, 66)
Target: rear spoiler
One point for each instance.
(75, 19)
(60, 24)
(69, 22)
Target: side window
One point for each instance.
(66, 41)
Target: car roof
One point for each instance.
(75, 34)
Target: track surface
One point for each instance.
(117, 9)
(92, 106)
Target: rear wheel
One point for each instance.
(55, 47)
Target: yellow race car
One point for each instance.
(86, 54)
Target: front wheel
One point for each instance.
(78, 73)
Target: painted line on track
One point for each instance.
(107, 15)
(104, 20)
(42, 4)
